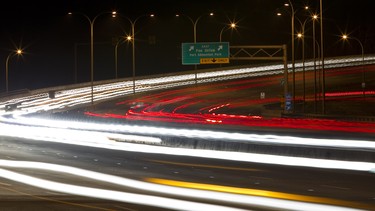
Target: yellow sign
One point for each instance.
(214, 60)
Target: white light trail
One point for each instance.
(101, 139)
(193, 133)
(156, 188)
(81, 96)
(112, 195)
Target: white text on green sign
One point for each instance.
(192, 53)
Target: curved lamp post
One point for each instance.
(231, 26)
(195, 22)
(91, 22)
(11, 54)
(132, 39)
(346, 37)
(120, 41)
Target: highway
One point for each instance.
(117, 155)
(126, 172)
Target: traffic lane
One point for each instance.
(343, 185)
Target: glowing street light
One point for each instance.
(131, 38)
(119, 41)
(11, 54)
(92, 21)
(314, 18)
(230, 26)
(346, 37)
(292, 13)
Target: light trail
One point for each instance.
(63, 134)
(142, 199)
(218, 196)
(82, 96)
(189, 133)
(71, 132)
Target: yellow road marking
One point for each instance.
(257, 192)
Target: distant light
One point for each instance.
(345, 37)
(129, 38)
(152, 15)
(278, 14)
(286, 4)
(306, 7)
(233, 25)
(315, 16)
(299, 35)
(19, 51)
(177, 15)
(211, 14)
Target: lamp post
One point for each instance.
(293, 62)
(292, 13)
(195, 22)
(11, 54)
(119, 41)
(363, 85)
(132, 39)
(322, 57)
(91, 22)
(314, 18)
(302, 36)
(231, 26)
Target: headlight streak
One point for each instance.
(163, 82)
(110, 194)
(81, 96)
(98, 139)
(151, 187)
(205, 134)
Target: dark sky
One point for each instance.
(56, 45)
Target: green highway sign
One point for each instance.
(201, 53)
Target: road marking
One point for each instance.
(258, 192)
(205, 166)
(336, 187)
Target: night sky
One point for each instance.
(57, 44)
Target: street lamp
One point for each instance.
(119, 41)
(314, 18)
(293, 62)
(346, 37)
(230, 26)
(292, 13)
(11, 54)
(91, 22)
(302, 36)
(195, 22)
(322, 57)
(132, 39)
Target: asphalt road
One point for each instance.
(338, 187)
(220, 105)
